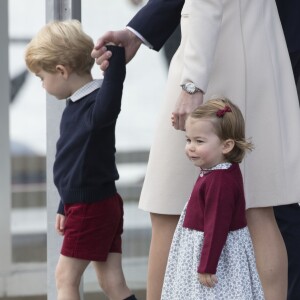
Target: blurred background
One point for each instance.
(143, 94)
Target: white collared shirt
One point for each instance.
(86, 90)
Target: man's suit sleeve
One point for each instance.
(157, 20)
(202, 25)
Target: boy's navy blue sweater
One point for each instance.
(85, 169)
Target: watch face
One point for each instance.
(190, 87)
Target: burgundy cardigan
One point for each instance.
(216, 206)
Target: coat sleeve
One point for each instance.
(157, 20)
(201, 24)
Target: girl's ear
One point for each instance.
(63, 71)
(228, 146)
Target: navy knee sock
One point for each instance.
(132, 297)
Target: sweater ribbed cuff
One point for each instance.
(116, 70)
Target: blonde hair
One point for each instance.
(228, 123)
(60, 43)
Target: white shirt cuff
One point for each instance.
(140, 37)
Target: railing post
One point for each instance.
(55, 10)
(5, 181)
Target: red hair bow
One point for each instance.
(221, 112)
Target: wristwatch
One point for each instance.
(190, 88)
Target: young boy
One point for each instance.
(90, 214)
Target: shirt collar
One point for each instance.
(86, 89)
(221, 166)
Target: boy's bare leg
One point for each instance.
(270, 252)
(163, 227)
(68, 275)
(111, 278)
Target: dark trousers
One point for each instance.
(295, 60)
(288, 218)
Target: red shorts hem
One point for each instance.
(93, 230)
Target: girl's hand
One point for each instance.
(186, 103)
(208, 280)
(60, 224)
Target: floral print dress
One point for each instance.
(236, 271)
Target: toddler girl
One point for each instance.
(212, 256)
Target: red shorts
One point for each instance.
(93, 230)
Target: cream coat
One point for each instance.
(234, 48)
